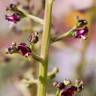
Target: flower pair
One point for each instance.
(22, 48)
(66, 88)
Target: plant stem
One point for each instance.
(44, 49)
(36, 57)
(62, 36)
(34, 18)
(58, 92)
(53, 73)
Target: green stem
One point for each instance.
(36, 57)
(34, 18)
(53, 73)
(44, 49)
(62, 36)
(58, 92)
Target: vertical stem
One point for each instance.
(44, 49)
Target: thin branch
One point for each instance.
(62, 36)
(38, 58)
(34, 18)
(53, 73)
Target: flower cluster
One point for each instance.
(16, 14)
(67, 88)
(22, 48)
(81, 29)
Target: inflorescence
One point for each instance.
(66, 88)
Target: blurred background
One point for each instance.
(75, 58)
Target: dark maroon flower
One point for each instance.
(13, 18)
(11, 7)
(24, 49)
(59, 85)
(67, 88)
(33, 37)
(81, 33)
(16, 13)
(81, 22)
(68, 91)
(12, 49)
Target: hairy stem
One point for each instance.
(44, 49)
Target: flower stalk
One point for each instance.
(36, 57)
(53, 73)
(44, 49)
(34, 18)
(62, 36)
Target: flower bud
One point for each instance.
(33, 37)
(81, 22)
(59, 85)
